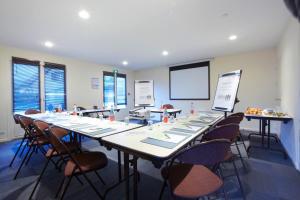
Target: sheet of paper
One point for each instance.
(168, 137)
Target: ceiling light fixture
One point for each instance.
(125, 63)
(84, 14)
(232, 37)
(165, 53)
(49, 44)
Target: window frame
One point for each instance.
(106, 73)
(56, 66)
(23, 61)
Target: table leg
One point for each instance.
(126, 174)
(135, 178)
(269, 134)
(263, 132)
(119, 166)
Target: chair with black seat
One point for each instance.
(35, 142)
(229, 132)
(24, 139)
(78, 164)
(190, 177)
(74, 147)
(32, 111)
(241, 115)
(235, 120)
(167, 106)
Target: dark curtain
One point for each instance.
(294, 7)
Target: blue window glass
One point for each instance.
(55, 91)
(121, 91)
(109, 89)
(26, 85)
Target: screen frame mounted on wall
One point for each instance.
(190, 66)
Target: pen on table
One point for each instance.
(188, 126)
(167, 136)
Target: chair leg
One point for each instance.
(33, 150)
(22, 163)
(92, 185)
(39, 179)
(20, 145)
(240, 155)
(78, 179)
(162, 189)
(238, 178)
(101, 179)
(66, 187)
(243, 142)
(23, 149)
(60, 187)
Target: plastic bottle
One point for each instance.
(165, 116)
(192, 108)
(75, 109)
(112, 114)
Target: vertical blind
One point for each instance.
(55, 87)
(26, 84)
(109, 89)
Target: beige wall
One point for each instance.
(289, 76)
(79, 74)
(258, 87)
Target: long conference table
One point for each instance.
(156, 143)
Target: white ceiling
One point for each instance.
(139, 30)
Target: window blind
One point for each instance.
(26, 84)
(55, 86)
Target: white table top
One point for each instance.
(158, 110)
(132, 140)
(83, 125)
(286, 117)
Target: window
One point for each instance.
(26, 84)
(55, 86)
(110, 86)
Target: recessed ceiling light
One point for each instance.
(232, 37)
(165, 53)
(125, 63)
(49, 44)
(84, 14)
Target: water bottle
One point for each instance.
(165, 116)
(75, 109)
(192, 108)
(112, 114)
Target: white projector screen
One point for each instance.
(143, 93)
(190, 82)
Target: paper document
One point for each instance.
(168, 137)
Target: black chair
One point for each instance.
(235, 120)
(229, 132)
(77, 164)
(73, 146)
(191, 178)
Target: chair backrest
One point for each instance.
(229, 132)
(32, 111)
(207, 153)
(241, 115)
(80, 108)
(95, 107)
(229, 120)
(167, 106)
(54, 136)
(16, 118)
(27, 124)
(40, 127)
